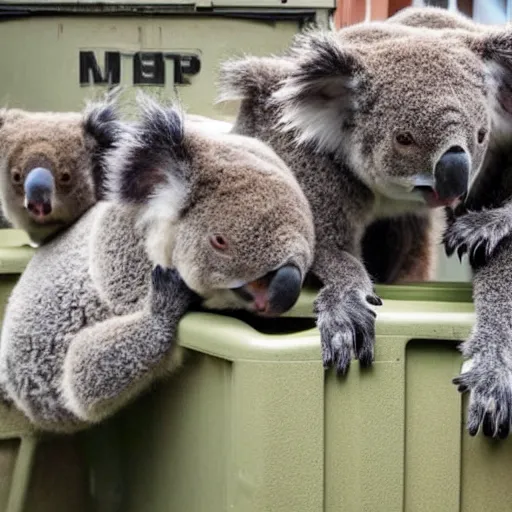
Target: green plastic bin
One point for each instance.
(252, 423)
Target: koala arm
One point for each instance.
(344, 317)
(487, 372)
(110, 362)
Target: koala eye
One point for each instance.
(65, 177)
(16, 177)
(481, 135)
(219, 242)
(404, 139)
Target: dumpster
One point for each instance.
(252, 422)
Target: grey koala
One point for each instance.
(191, 216)
(481, 227)
(52, 166)
(377, 121)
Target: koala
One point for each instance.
(433, 17)
(481, 227)
(51, 166)
(192, 216)
(378, 121)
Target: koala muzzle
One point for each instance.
(39, 186)
(451, 175)
(275, 293)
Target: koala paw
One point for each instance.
(347, 327)
(477, 234)
(170, 294)
(489, 383)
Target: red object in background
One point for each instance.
(349, 12)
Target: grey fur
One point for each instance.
(90, 325)
(482, 228)
(331, 107)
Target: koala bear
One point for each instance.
(481, 227)
(191, 216)
(52, 166)
(433, 17)
(378, 121)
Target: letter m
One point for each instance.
(89, 69)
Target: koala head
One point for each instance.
(433, 17)
(410, 109)
(223, 209)
(51, 165)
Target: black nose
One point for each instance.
(284, 289)
(452, 174)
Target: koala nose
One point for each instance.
(39, 185)
(274, 293)
(284, 289)
(452, 174)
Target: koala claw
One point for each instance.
(347, 328)
(477, 234)
(490, 402)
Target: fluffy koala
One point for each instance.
(192, 215)
(51, 171)
(482, 228)
(377, 120)
(433, 17)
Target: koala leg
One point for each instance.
(110, 362)
(477, 233)
(344, 316)
(487, 372)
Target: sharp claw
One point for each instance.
(488, 427)
(374, 300)
(473, 431)
(460, 252)
(503, 431)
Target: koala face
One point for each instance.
(410, 109)
(51, 168)
(424, 142)
(223, 209)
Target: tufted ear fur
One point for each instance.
(251, 78)
(322, 89)
(101, 122)
(494, 47)
(150, 164)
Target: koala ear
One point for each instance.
(250, 77)
(319, 96)
(495, 49)
(101, 122)
(150, 161)
(10, 114)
